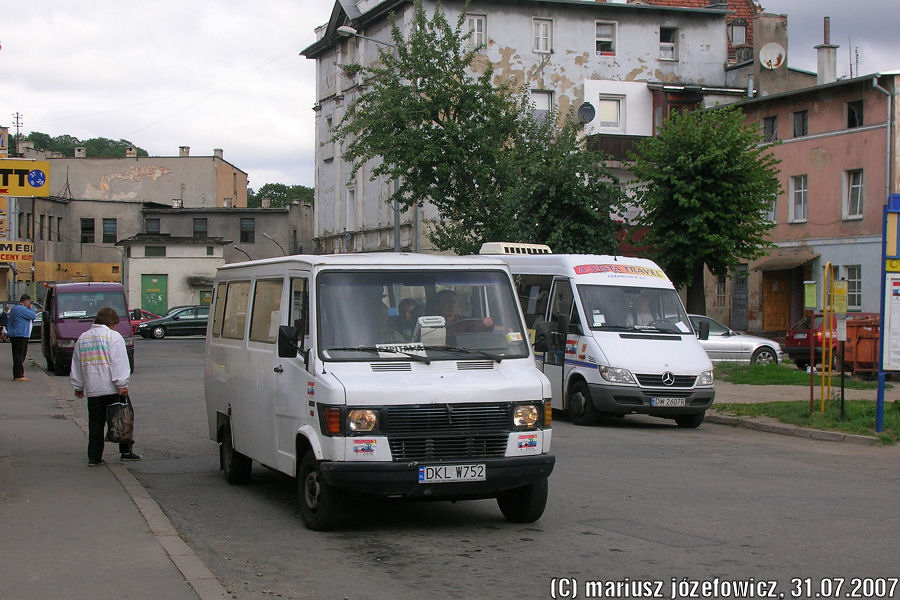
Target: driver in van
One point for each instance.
(446, 303)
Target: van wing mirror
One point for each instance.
(704, 330)
(562, 323)
(287, 341)
(541, 336)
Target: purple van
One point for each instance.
(69, 311)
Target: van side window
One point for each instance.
(300, 305)
(219, 310)
(266, 315)
(533, 291)
(236, 310)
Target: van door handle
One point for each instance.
(278, 369)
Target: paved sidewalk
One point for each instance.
(69, 531)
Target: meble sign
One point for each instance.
(24, 177)
(16, 251)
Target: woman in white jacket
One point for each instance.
(100, 371)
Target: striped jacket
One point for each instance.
(99, 362)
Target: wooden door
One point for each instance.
(776, 300)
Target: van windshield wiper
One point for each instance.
(417, 357)
(494, 357)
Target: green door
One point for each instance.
(154, 293)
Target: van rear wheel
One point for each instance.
(579, 406)
(321, 504)
(236, 466)
(524, 504)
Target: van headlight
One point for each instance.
(616, 375)
(706, 378)
(526, 415)
(362, 420)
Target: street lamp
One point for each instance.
(271, 239)
(244, 253)
(347, 31)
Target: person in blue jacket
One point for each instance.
(19, 330)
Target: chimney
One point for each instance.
(826, 57)
(217, 152)
(130, 152)
(80, 152)
(184, 151)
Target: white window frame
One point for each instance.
(732, 29)
(608, 126)
(542, 100)
(854, 286)
(611, 39)
(478, 37)
(721, 291)
(854, 194)
(771, 211)
(542, 38)
(799, 196)
(668, 50)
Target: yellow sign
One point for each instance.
(840, 297)
(21, 177)
(17, 252)
(810, 295)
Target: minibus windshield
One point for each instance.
(420, 314)
(623, 308)
(84, 305)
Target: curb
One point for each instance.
(769, 425)
(191, 567)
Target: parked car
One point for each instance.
(138, 316)
(38, 322)
(726, 344)
(796, 341)
(186, 320)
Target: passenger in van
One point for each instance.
(386, 333)
(410, 311)
(641, 314)
(446, 303)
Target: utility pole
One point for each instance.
(17, 116)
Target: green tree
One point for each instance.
(94, 147)
(708, 181)
(450, 134)
(279, 195)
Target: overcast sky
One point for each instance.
(227, 74)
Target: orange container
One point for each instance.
(861, 349)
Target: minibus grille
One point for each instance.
(439, 431)
(388, 367)
(657, 381)
(474, 364)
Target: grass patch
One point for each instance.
(859, 418)
(783, 375)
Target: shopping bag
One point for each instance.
(120, 421)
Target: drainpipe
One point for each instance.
(887, 158)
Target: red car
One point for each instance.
(796, 341)
(138, 316)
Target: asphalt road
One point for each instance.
(633, 502)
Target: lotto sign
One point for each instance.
(24, 177)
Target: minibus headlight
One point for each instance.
(616, 375)
(706, 378)
(362, 420)
(526, 415)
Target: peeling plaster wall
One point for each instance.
(571, 68)
(201, 182)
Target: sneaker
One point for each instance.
(21, 379)
(97, 463)
(131, 456)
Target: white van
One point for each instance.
(611, 334)
(397, 375)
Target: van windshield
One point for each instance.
(84, 305)
(623, 308)
(422, 315)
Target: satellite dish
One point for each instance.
(772, 56)
(586, 113)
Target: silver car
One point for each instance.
(726, 344)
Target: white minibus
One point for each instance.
(389, 374)
(611, 334)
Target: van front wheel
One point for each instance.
(579, 406)
(524, 504)
(320, 503)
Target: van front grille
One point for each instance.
(682, 381)
(438, 431)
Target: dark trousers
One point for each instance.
(97, 426)
(19, 351)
